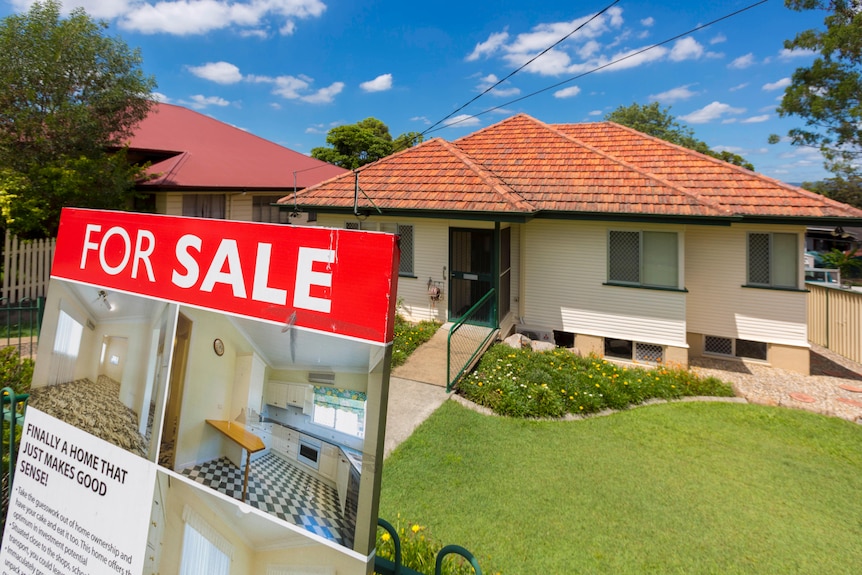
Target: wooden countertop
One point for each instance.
(238, 433)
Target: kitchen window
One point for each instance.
(340, 409)
(639, 258)
(773, 260)
(405, 233)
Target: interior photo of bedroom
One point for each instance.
(282, 419)
(103, 363)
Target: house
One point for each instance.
(594, 236)
(205, 168)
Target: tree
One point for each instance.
(71, 96)
(656, 121)
(842, 188)
(826, 94)
(354, 145)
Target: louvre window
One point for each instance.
(633, 350)
(405, 233)
(773, 260)
(643, 258)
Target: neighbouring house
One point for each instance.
(594, 236)
(205, 168)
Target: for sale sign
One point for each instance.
(209, 397)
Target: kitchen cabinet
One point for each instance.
(285, 442)
(342, 474)
(276, 393)
(329, 455)
(296, 394)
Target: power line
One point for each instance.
(527, 63)
(596, 69)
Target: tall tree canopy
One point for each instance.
(354, 145)
(827, 93)
(69, 98)
(656, 121)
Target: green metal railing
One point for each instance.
(384, 566)
(13, 406)
(469, 337)
(20, 324)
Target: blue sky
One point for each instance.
(289, 70)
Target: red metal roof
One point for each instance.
(524, 166)
(192, 150)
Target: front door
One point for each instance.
(471, 261)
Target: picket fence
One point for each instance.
(26, 268)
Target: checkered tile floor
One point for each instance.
(282, 489)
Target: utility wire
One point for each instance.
(527, 63)
(596, 69)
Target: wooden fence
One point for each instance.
(26, 268)
(835, 320)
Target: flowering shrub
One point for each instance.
(523, 383)
(409, 336)
(419, 550)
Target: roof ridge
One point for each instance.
(502, 188)
(733, 167)
(707, 202)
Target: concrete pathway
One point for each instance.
(416, 389)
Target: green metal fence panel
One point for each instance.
(13, 406)
(20, 324)
(383, 566)
(469, 337)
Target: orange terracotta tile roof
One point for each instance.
(523, 166)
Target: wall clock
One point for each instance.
(218, 346)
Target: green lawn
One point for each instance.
(676, 488)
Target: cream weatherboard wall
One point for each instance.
(716, 264)
(563, 279)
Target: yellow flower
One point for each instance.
(385, 536)
(415, 528)
(479, 384)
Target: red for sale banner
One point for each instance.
(330, 280)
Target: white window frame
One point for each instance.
(773, 282)
(322, 415)
(642, 260)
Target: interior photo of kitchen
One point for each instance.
(208, 532)
(281, 418)
(103, 363)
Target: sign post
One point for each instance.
(208, 397)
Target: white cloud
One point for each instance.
(218, 72)
(710, 112)
(159, 97)
(718, 39)
(288, 28)
(674, 95)
(422, 119)
(461, 121)
(189, 17)
(686, 49)
(786, 54)
(324, 95)
(489, 46)
(199, 101)
(742, 62)
(595, 113)
(782, 83)
(649, 21)
(569, 92)
(381, 83)
(487, 81)
(738, 87)
(755, 119)
(261, 34)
